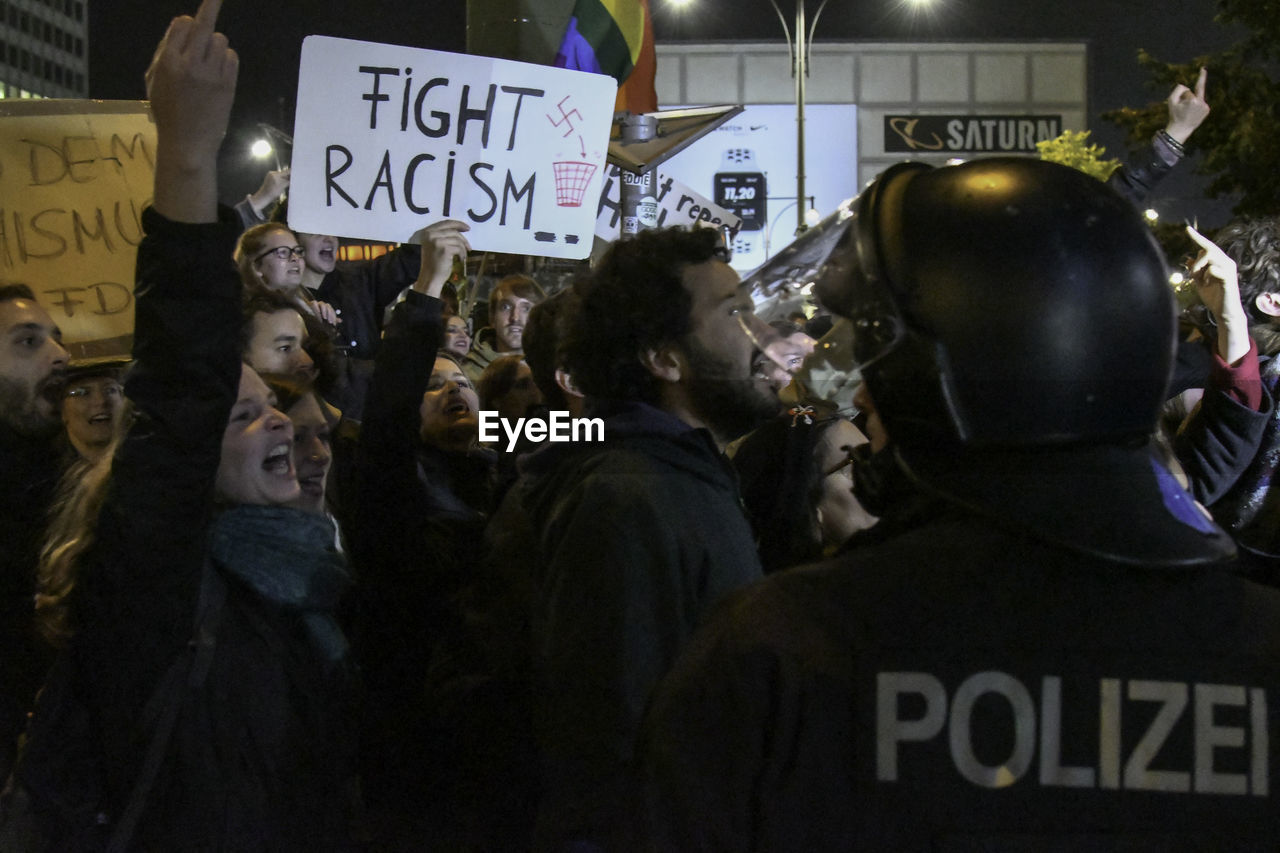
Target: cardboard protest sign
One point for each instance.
(74, 179)
(389, 139)
(677, 205)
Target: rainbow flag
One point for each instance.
(614, 37)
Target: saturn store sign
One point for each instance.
(969, 134)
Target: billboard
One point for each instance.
(748, 167)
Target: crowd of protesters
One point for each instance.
(264, 587)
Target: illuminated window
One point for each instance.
(361, 252)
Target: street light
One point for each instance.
(798, 51)
(277, 142)
(798, 54)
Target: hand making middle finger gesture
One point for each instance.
(191, 82)
(1214, 274)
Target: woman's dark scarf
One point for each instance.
(288, 558)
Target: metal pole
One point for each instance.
(639, 205)
(802, 70)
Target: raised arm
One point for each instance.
(441, 242)
(186, 358)
(252, 209)
(191, 84)
(1216, 281)
(139, 584)
(1187, 111)
(1221, 438)
(406, 357)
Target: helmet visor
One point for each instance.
(853, 282)
(830, 373)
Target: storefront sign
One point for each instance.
(969, 134)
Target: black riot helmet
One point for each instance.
(1014, 324)
(1005, 302)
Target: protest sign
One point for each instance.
(74, 179)
(677, 204)
(389, 139)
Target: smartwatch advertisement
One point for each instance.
(740, 187)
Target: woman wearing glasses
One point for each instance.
(270, 262)
(796, 475)
(270, 257)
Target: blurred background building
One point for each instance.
(44, 49)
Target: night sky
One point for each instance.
(268, 36)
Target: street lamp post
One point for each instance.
(798, 50)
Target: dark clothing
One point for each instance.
(633, 540)
(1249, 509)
(1191, 367)
(1220, 439)
(262, 755)
(29, 470)
(361, 291)
(1230, 448)
(1146, 168)
(963, 687)
(484, 349)
(392, 537)
(420, 515)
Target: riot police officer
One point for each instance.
(1045, 647)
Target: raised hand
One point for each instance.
(1214, 274)
(274, 183)
(191, 84)
(441, 242)
(326, 312)
(1187, 109)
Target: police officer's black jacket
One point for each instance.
(962, 686)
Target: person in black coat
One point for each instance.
(205, 662)
(623, 540)
(1054, 650)
(32, 365)
(422, 493)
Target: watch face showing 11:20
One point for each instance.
(744, 194)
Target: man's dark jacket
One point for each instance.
(361, 291)
(29, 469)
(628, 543)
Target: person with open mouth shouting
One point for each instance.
(205, 697)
